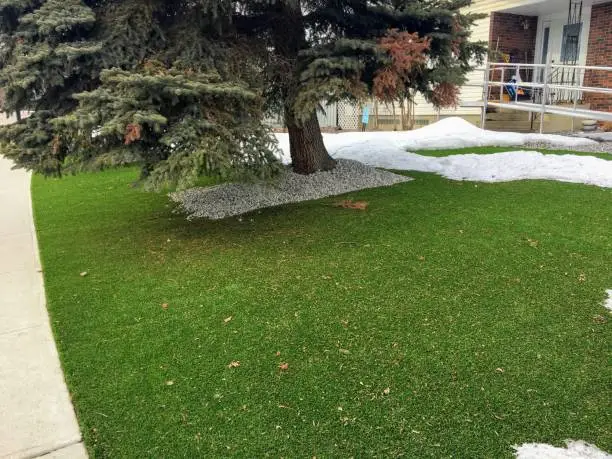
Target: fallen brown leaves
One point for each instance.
(350, 204)
(599, 319)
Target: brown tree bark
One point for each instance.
(308, 153)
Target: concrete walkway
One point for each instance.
(36, 414)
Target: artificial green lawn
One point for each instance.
(479, 306)
(489, 150)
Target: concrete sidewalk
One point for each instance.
(36, 414)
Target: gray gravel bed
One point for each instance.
(233, 199)
(599, 136)
(600, 147)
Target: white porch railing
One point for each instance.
(543, 91)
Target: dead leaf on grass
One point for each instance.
(599, 319)
(499, 370)
(533, 242)
(350, 204)
(83, 274)
(581, 277)
(227, 319)
(169, 383)
(234, 364)
(165, 306)
(277, 353)
(283, 366)
(387, 391)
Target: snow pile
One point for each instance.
(608, 301)
(388, 150)
(574, 450)
(238, 198)
(503, 167)
(447, 133)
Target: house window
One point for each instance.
(570, 47)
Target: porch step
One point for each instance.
(511, 126)
(507, 116)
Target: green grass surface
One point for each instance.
(489, 150)
(479, 307)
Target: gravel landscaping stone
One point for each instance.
(231, 199)
(601, 147)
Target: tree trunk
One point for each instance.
(308, 153)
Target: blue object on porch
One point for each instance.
(512, 88)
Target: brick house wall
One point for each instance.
(600, 53)
(507, 34)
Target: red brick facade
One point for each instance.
(600, 53)
(508, 35)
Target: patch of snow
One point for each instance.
(575, 450)
(389, 150)
(451, 132)
(608, 301)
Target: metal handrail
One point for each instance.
(541, 66)
(553, 86)
(580, 88)
(544, 107)
(582, 67)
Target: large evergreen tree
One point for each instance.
(181, 86)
